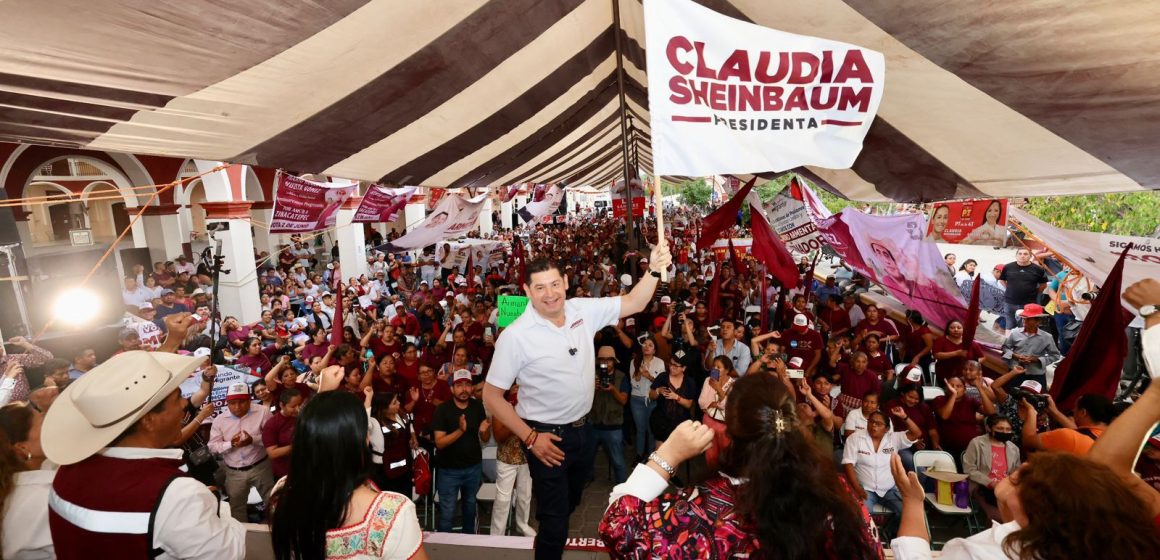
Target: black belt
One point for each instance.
(247, 467)
(557, 428)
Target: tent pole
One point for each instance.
(629, 226)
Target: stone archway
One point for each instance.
(107, 218)
(45, 223)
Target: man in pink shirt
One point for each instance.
(237, 437)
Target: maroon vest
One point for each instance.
(103, 484)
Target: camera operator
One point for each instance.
(1092, 415)
(1030, 347)
(607, 416)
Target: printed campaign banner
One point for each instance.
(727, 96)
(434, 195)
(304, 206)
(454, 217)
(741, 246)
(549, 199)
(226, 376)
(892, 251)
(1094, 255)
(382, 204)
(969, 222)
(787, 215)
(482, 252)
(150, 334)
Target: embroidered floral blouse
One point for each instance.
(695, 522)
(390, 529)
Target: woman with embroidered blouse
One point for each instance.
(326, 507)
(776, 495)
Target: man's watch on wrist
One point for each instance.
(655, 274)
(1149, 310)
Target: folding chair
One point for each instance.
(931, 393)
(942, 461)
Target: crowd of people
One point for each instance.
(737, 418)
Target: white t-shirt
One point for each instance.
(873, 466)
(556, 386)
(641, 388)
(854, 421)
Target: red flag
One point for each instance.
(722, 218)
(470, 272)
(518, 261)
(714, 308)
(736, 262)
(770, 250)
(809, 277)
(1097, 356)
(971, 324)
(764, 316)
(336, 324)
(511, 192)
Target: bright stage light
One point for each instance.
(77, 306)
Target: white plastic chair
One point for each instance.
(931, 393)
(940, 461)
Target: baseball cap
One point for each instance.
(800, 320)
(202, 352)
(238, 392)
(166, 292)
(460, 375)
(630, 322)
(1154, 440)
(146, 305)
(914, 375)
(795, 362)
(198, 292)
(309, 299)
(684, 358)
(607, 352)
(1031, 386)
(666, 299)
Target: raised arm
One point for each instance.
(637, 300)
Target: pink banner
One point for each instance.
(892, 251)
(304, 206)
(382, 204)
(971, 222)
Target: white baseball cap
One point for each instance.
(1032, 386)
(795, 363)
(666, 299)
(800, 320)
(914, 375)
(460, 375)
(238, 392)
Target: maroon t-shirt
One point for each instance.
(858, 385)
(380, 349)
(396, 385)
(914, 342)
(958, 430)
(882, 328)
(279, 432)
(311, 350)
(408, 372)
(879, 364)
(424, 411)
(276, 392)
(952, 367)
(802, 345)
(837, 319)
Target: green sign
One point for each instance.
(510, 309)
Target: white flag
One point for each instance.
(728, 96)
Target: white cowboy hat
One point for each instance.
(97, 408)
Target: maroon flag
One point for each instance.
(738, 263)
(971, 324)
(511, 192)
(1096, 359)
(336, 324)
(518, 261)
(714, 309)
(764, 316)
(769, 249)
(469, 271)
(722, 218)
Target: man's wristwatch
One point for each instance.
(1149, 310)
(655, 274)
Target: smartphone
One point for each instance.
(487, 332)
(715, 374)
(369, 353)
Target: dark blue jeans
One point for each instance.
(557, 490)
(452, 482)
(613, 443)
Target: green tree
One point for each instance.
(694, 193)
(1134, 213)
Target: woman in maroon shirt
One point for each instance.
(856, 380)
(958, 417)
(422, 400)
(878, 361)
(254, 359)
(919, 341)
(951, 353)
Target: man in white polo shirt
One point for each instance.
(549, 351)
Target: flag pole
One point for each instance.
(658, 200)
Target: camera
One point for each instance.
(1089, 296)
(680, 308)
(604, 375)
(1034, 399)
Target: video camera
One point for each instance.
(604, 375)
(1036, 400)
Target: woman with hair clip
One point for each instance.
(24, 486)
(327, 508)
(775, 496)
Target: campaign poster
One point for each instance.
(305, 206)
(481, 252)
(545, 200)
(741, 246)
(969, 222)
(381, 204)
(226, 376)
(454, 217)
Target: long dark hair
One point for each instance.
(15, 423)
(792, 489)
(330, 460)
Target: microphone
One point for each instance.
(572, 351)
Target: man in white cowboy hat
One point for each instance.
(115, 426)
(1030, 347)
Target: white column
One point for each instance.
(237, 291)
(505, 215)
(413, 215)
(485, 221)
(352, 251)
(163, 229)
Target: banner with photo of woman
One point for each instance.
(304, 206)
(969, 222)
(454, 217)
(381, 204)
(546, 201)
(481, 252)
